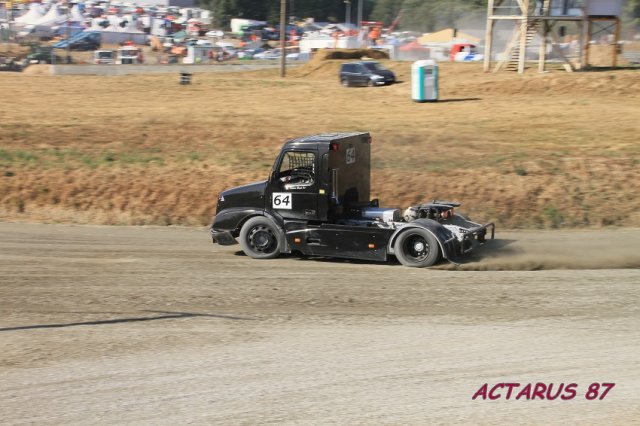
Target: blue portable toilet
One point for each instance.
(424, 81)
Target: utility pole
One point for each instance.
(359, 23)
(283, 36)
(347, 17)
(9, 14)
(68, 33)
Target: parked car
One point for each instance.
(249, 53)
(365, 73)
(268, 54)
(298, 56)
(12, 64)
(86, 44)
(214, 34)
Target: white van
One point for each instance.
(103, 57)
(129, 55)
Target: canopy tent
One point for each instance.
(35, 13)
(76, 14)
(413, 47)
(413, 51)
(129, 24)
(112, 23)
(53, 17)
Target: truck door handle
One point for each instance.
(309, 212)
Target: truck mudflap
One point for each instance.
(224, 238)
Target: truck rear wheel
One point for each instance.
(260, 238)
(417, 247)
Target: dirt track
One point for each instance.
(120, 325)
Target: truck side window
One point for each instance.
(297, 169)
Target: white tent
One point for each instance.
(76, 15)
(53, 17)
(34, 14)
(115, 24)
(132, 24)
(114, 33)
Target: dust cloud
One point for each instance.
(531, 251)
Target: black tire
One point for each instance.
(370, 83)
(260, 238)
(344, 82)
(417, 247)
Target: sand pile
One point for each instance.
(38, 69)
(326, 62)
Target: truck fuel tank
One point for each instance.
(382, 213)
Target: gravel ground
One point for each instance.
(152, 325)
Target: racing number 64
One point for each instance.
(282, 200)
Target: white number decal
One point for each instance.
(282, 200)
(351, 155)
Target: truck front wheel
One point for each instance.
(260, 238)
(417, 247)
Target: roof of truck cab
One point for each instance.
(322, 138)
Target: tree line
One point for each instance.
(416, 15)
(419, 15)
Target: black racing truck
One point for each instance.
(317, 202)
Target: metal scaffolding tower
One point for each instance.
(538, 18)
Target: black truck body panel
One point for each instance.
(230, 220)
(352, 242)
(250, 195)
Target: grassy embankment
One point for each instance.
(551, 150)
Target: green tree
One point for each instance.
(428, 15)
(420, 15)
(386, 10)
(633, 12)
(269, 10)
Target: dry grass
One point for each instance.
(550, 150)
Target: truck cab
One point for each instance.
(103, 57)
(129, 55)
(316, 201)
